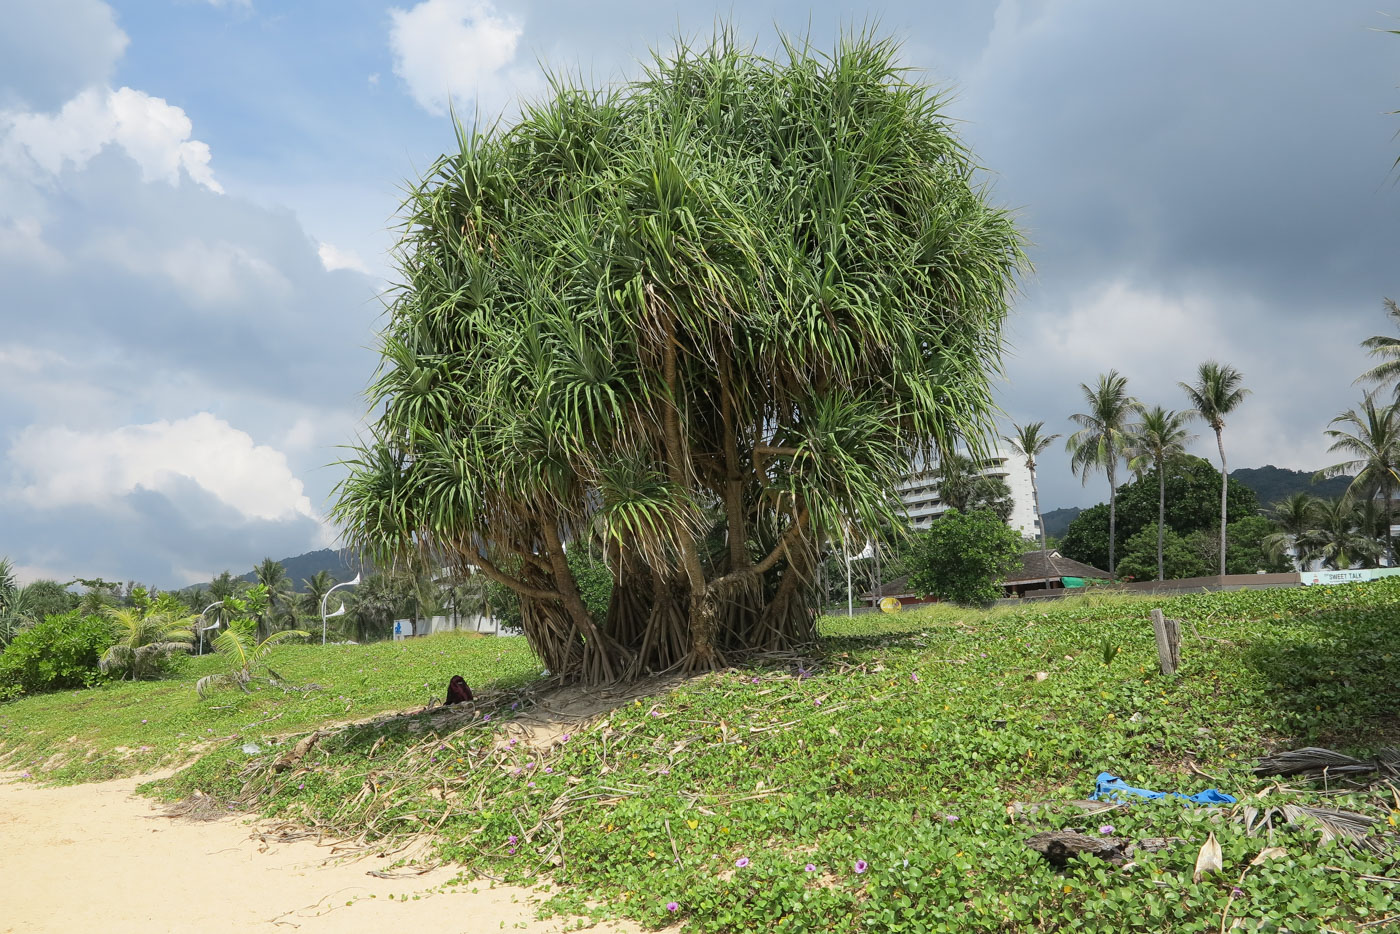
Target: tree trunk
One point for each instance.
(1112, 514)
(1224, 489)
(1040, 519)
(1161, 514)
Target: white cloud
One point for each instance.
(333, 258)
(154, 133)
(458, 51)
(61, 467)
(206, 273)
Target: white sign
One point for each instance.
(403, 628)
(1316, 578)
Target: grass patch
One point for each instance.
(119, 729)
(888, 766)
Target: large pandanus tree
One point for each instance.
(708, 320)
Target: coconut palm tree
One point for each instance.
(146, 636)
(963, 484)
(1098, 444)
(1339, 538)
(1216, 393)
(1387, 372)
(272, 575)
(743, 288)
(1030, 441)
(1371, 440)
(1296, 516)
(1158, 439)
(314, 588)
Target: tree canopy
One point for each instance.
(709, 318)
(1192, 497)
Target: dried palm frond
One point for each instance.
(1316, 762)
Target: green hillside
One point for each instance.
(1272, 484)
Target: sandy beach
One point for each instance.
(96, 857)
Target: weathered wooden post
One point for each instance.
(1168, 633)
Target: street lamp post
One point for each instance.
(202, 627)
(350, 583)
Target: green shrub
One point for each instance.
(60, 652)
(964, 557)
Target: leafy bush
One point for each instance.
(60, 652)
(965, 557)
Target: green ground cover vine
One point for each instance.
(872, 788)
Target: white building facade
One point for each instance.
(919, 493)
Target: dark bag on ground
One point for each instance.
(457, 691)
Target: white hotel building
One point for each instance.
(919, 493)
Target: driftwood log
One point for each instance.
(1060, 846)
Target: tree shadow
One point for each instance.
(1331, 677)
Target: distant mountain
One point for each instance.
(340, 565)
(1273, 484)
(1057, 520)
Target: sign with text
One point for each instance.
(1315, 578)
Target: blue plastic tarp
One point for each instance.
(1109, 787)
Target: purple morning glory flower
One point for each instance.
(809, 868)
(510, 850)
(549, 770)
(672, 906)
(564, 738)
(532, 784)
(665, 771)
(485, 717)
(1106, 829)
(529, 765)
(1237, 892)
(817, 702)
(741, 862)
(512, 839)
(755, 681)
(143, 721)
(511, 743)
(950, 818)
(861, 866)
(914, 676)
(515, 705)
(656, 713)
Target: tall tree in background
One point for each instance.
(964, 485)
(1340, 537)
(1386, 373)
(1030, 441)
(719, 311)
(272, 575)
(1098, 444)
(1158, 439)
(314, 588)
(1295, 517)
(1217, 392)
(1370, 438)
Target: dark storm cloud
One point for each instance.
(170, 538)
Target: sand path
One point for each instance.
(97, 858)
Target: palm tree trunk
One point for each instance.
(1224, 489)
(1161, 514)
(1112, 515)
(1039, 519)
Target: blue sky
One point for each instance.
(197, 200)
